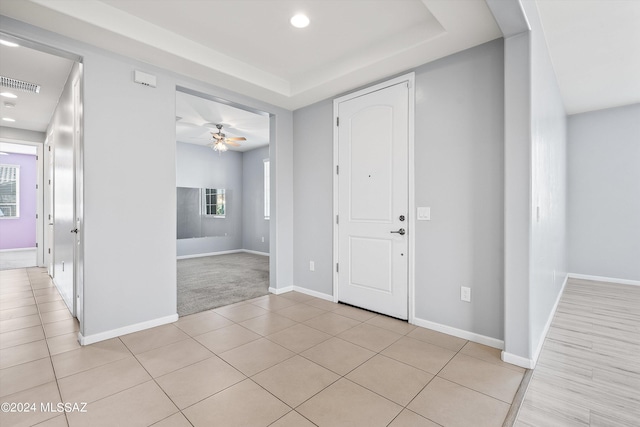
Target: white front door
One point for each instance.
(373, 179)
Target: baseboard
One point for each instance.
(604, 279)
(313, 293)
(113, 333)
(232, 251)
(278, 291)
(18, 249)
(545, 331)
(523, 362)
(460, 333)
(255, 252)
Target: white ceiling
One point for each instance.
(248, 46)
(32, 111)
(196, 118)
(595, 50)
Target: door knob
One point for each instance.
(400, 232)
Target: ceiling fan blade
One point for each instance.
(216, 135)
(233, 144)
(236, 138)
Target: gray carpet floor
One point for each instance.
(214, 281)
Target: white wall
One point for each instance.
(459, 174)
(604, 193)
(255, 228)
(130, 164)
(201, 167)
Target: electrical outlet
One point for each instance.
(465, 294)
(312, 266)
(262, 239)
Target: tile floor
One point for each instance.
(588, 373)
(287, 360)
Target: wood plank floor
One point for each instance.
(588, 373)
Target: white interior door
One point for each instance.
(373, 141)
(64, 219)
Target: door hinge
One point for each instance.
(36, 216)
(49, 182)
(36, 157)
(49, 250)
(337, 219)
(337, 121)
(49, 148)
(49, 216)
(36, 186)
(337, 170)
(36, 245)
(337, 267)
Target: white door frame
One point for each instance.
(410, 78)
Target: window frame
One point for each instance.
(267, 188)
(207, 202)
(17, 192)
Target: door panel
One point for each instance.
(373, 195)
(370, 263)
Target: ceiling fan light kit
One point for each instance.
(220, 141)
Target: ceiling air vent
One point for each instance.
(19, 85)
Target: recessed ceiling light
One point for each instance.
(8, 43)
(10, 105)
(8, 119)
(300, 20)
(8, 95)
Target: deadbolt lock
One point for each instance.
(401, 217)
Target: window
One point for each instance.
(213, 203)
(267, 190)
(9, 188)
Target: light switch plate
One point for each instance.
(424, 214)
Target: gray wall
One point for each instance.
(535, 190)
(255, 227)
(313, 197)
(22, 134)
(130, 164)
(459, 174)
(548, 265)
(201, 167)
(517, 196)
(604, 193)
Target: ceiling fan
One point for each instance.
(220, 141)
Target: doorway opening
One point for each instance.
(20, 205)
(223, 202)
(42, 95)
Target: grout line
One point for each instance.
(46, 341)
